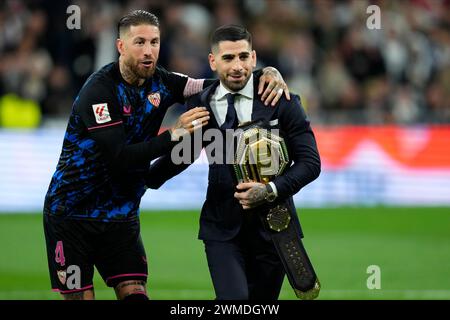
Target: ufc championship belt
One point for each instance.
(261, 155)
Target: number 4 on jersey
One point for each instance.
(59, 253)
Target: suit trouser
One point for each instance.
(247, 266)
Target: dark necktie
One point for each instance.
(231, 119)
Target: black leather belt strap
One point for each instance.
(298, 267)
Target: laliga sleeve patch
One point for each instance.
(101, 112)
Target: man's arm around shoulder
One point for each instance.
(165, 168)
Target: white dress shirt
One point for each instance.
(243, 103)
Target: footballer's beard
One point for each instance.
(235, 81)
(135, 73)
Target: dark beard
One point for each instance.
(235, 86)
(138, 73)
(142, 72)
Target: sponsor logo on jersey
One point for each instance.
(101, 112)
(154, 98)
(62, 276)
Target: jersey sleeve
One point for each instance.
(176, 83)
(98, 108)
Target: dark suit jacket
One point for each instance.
(222, 215)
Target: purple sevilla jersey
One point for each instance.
(111, 137)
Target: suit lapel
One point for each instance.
(205, 99)
(259, 110)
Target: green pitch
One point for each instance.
(411, 246)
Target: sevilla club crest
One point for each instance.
(62, 276)
(154, 98)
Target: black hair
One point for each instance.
(135, 18)
(230, 32)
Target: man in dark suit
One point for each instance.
(242, 259)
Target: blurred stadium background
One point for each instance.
(378, 101)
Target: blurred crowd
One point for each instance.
(345, 72)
